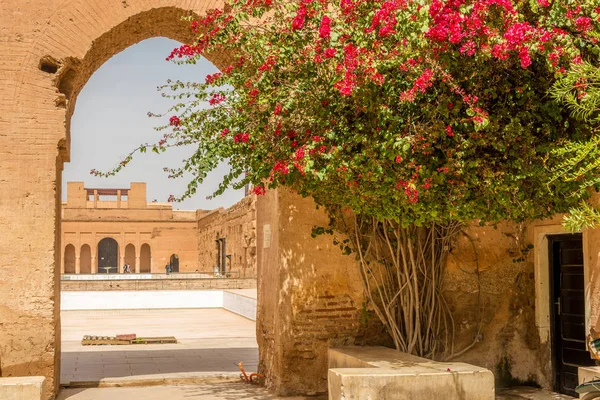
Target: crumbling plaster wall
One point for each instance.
(310, 296)
(497, 286)
(238, 225)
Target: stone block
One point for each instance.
(409, 383)
(379, 373)
(586, 374)
(22, 388)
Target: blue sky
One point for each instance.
(111, 119)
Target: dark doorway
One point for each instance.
(174, 263)
(108, 256)
(568, 311)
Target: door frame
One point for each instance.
(552, 294)
(541, 260)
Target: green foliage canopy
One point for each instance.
(417, 111)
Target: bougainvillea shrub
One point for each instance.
(420, 110)
(415, 115)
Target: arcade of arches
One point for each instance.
(102, 230)
(310, 296)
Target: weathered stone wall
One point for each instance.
(490, 288)
(49, 49)
(309, 294)
(237, 225)
(498, 288)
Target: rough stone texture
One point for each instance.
(309, 295)
(26, 388)
(238, 225)
(491, 291)
(498, 278)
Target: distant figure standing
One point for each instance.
(124, 268)
(168, 268)
(127, 269)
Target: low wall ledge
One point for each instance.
(22, 388)
(380, 373)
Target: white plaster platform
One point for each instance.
(241, 302)
(357, 373)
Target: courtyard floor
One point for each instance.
(210, 340)
(236, 391)
(224, 391)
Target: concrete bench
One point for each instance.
(23, 388)
(379, 373)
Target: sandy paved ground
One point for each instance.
(527, 393)
(209, 340)
(232, 391)
(228, 391)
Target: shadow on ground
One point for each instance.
(225, 391)
(96, 365)
(529, 393)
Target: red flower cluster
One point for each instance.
(211, 79)
(473, 33)
(423, 82)
(268, 65)
(412, 194)
(174, 121)
(241, 138)
(346, 86)
(325, 27)
(216, 99)
(300, 18)
(385, 18)
(281, 167)
(259, 190)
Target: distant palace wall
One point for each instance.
(104, 228)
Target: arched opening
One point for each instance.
(72, 78)
(130, 257)
(108, 256)
(85, 259)
(69, 259)
(174, 263)
(145, 258)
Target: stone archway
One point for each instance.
(145, 258)
(86, 259)
(174, 263)
(108, 256)
(70, 259)
(130, 256)
(50, 49)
